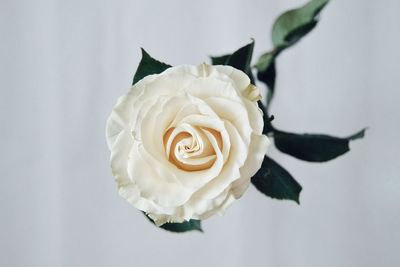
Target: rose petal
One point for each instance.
(234, 112)
(258, 147)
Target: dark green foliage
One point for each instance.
(221, 60)
(274, 181)
(240, 59)
(148, 66)
(191, 225)
(287, 30)
(313, 147)
(294, 24)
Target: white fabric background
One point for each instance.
(63, 65)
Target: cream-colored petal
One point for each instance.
(209, 86)
(156, 184)
(258, 147)
(127, 189)
(234, 112)
(230, 171)
(255, 116)
(238, 77)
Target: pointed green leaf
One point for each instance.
(288, 29)
(292, 25)
(190, 225)
(276, 182)
(313, 147)
(148, 66)
(240, 59)
(221, 60)
(186, 226)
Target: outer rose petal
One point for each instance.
(258, 147)
(214, 103)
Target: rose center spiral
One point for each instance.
(190, 149)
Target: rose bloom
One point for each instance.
(185, 143)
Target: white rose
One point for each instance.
(185, 143)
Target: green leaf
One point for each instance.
(186, 226)
(292, 25)
(240, 59)
(288, 29)
(313, 147)
(276, 182)
(221, 60)
(295, 36)
(148, 66)
(190, 225)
